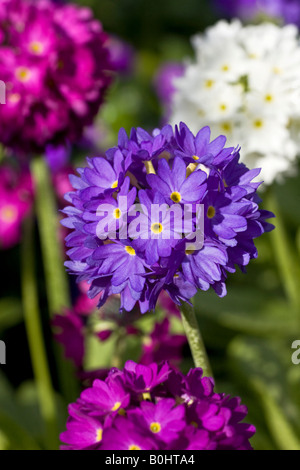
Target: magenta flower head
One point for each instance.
(16, 199)
(169, 211)
(156, 408)
(56, 68)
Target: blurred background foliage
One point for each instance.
(248, 334)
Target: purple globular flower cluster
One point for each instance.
(173, 169)
(56, 68)
(156, 408)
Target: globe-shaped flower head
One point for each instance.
(155, 408)
(168, 211)
(56, 68)
(244, 82)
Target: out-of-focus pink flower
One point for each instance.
(69, 333)
(83, 304)
(162, 345)
(56, 65)
(16, 197)
(168, 305)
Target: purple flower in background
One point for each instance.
(287, 11)
(167, 212)
(162, 345)
(121, 55)
(57, 156)
(68, 330)
(156, 407)
(16, 198)
(164, 83)
(55, 59)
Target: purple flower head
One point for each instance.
(177, 412)
(167, 211)
(57, 64)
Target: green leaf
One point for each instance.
(248, 311)
(280, 428)
(10, 312)
(98, 354)
(12, 427)
(264, 367)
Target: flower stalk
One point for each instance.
(37, 348)
(195, 340)
(55, 276)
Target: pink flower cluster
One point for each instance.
(16, 194)
(56, 67)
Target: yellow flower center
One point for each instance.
(268, 98)
(99, 435)
(8, 214)
(209, 83)
(23, 74)
(117, 213)
(156, 228)
(146, 396)
(155, 427)
(115, 184)
(223, 107)
(175, 196)
(225, 68)
(36, 47)
(193, 423)
(211, 211)
(258, 123)
(195, 158)
(116, 406)
(130, 250)
(134, 447)
(189, 252)
(226, 126)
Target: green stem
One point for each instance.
(47, 213)
(35, 337)
(195, 340)
(283, 253)
(120, 344)
(57, 287)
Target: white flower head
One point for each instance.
(245, 84)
